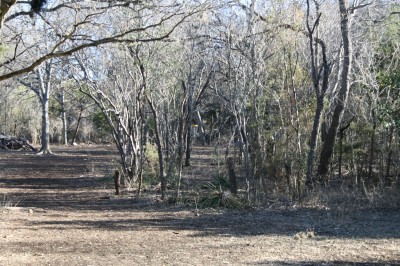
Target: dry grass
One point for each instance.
(7, 203)
(74, 219)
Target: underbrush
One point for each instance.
(345, 199)
(217, 197)
(214, 194)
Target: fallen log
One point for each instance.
(14, 143)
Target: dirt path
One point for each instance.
(62, 218)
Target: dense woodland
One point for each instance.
(302, 94)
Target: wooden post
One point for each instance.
(117, 181)
(230, 164)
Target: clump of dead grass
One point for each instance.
(342, 202)
(385, 198)
(7, 202)
(309, 233)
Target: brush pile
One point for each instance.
(13, 143)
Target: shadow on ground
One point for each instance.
(331, 263)
(244, 223)
(28, 180)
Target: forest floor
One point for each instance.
(61, 210)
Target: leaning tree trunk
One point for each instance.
(341, 100)
(320, 91)
(78, 123)
(313, 142)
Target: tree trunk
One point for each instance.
(64, 119)
(320, 91)
(313, 143)
(372, 148)
(188, 144)
(189, 119)
(230, 165)
(45, 124)
(183, 124)
(341, 101)
(180, 139)
(200, 128)
(5, 5)
(163, 178)
(387, 181)
(341, 136)
(78, 123)
(44, 95)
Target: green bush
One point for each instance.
(218, 198)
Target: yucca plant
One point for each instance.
(218, 198)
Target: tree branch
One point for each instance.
(118, 38)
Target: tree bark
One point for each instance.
(341, 136)
(117, 182)
(200, 128)
(163, 178)
(183, 124)
(5, 6)
(78, 123)
(388, 181)
(230, 164)
(313, 143)
(45, 139)
(320, 91)
(341, 100)
(64, 119)
(44, 94)
(372, 148)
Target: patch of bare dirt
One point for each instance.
(60, 210)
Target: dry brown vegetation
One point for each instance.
(60, 210)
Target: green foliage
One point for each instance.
(389, 84)
(217, 198)
(389, 115)
(54, 108)
(3, 50)
(151, 169)
(390, 80)
(103, 129)
(19, 109)
(107, 179)
(388, 75)
(100, 120)
(151, 124)
(220, 181)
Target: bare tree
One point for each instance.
(341, 98)
(320, 76)
(118, 95)
(41, 85)
(81, 25)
